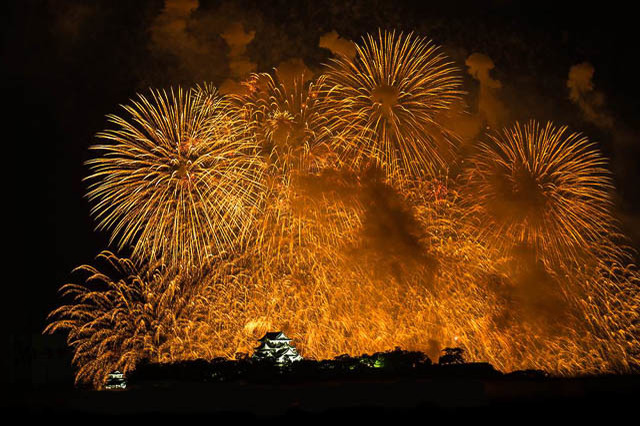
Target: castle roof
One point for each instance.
(272, 345)
(275, 335)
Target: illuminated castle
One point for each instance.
(276, 347)
(115, 380)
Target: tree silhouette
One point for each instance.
(452, 356)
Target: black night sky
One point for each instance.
(69, 63)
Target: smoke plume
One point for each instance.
(490, 107)
(338, 45)
(583, 94)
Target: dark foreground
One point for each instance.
(369, 401)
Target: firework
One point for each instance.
(314, 212)
(319, 208)
(334, 300)
(385, 102)
(123, 316)
(285, 117)
(355, 296)
(542, 187)
(177, 179)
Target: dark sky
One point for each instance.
(69, 63)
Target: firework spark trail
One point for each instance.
(334, 303)
(385, 101)
(333, 300)
(608, 295)
(177, 179)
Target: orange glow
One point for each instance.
(322, 210)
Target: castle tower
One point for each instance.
(276, 347)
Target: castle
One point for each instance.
(276, 347)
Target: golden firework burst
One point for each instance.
(285, 117)
(542, 187)
(385, 101)
(178, 179)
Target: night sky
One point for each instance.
(69, 63)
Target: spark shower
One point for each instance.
(342, 210)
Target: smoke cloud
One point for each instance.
(592, 104)
(294, 71)
(490, 107)
(391, 236)
(530, 295)
(583, 94)
(74, 21)
(240, 66)
(338, 45)
(175, 34)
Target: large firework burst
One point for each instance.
(542, 187)
(385, 103)
(286, 119)
(177, 179)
